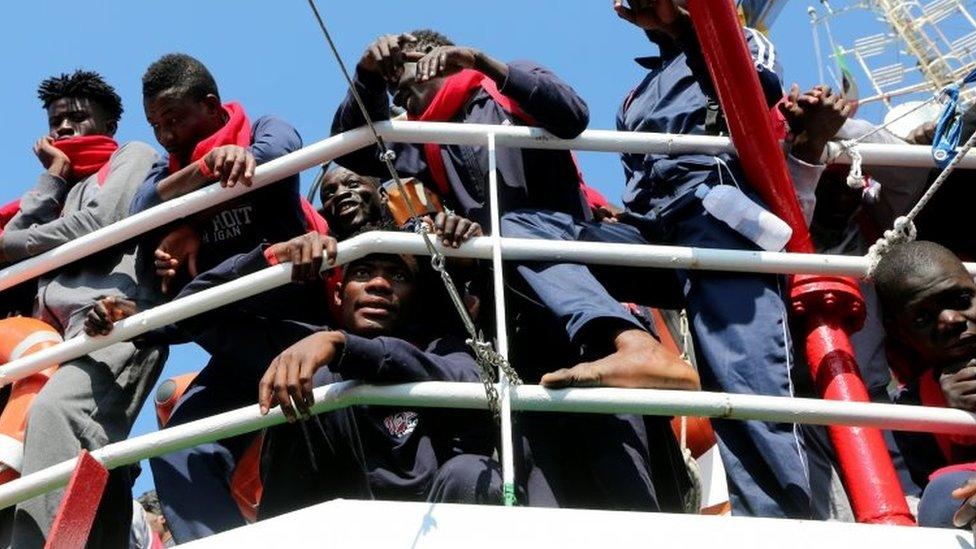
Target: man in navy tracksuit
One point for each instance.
(539, 190)
(209, 141)
(539, 194)
(374, 451)
(739, 320)
(362, 452)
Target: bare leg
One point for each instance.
(639, 361)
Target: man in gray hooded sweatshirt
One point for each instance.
(91, 401)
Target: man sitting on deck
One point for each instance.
(195, 484)
(367, 451)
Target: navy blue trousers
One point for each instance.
(329, 456)
(741, 333)
(937, 506)
(194, 484)
(577, 294)
(591, 461)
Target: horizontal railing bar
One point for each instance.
(524, 398)
(670, 257)
(873, 154)
(181, 207)
(420, 132)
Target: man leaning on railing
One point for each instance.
(91, 401)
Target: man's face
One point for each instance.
(76, 117)
(376, 295)
(349, 201)
(415, 96)
(180, 122)
(938, 318)
(156, 522)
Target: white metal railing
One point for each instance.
(634, 255)
(529, 398)
(494, 247)
(422, 132)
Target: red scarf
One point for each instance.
(88, 154)
(237, 131)
(450, 99)
(951, 446)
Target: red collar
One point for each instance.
(87, 153)
(237, 131)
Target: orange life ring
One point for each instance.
(21, 336)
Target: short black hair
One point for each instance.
(82, 84)
(427, 40)
(179, 71)
(899, 263)
(150, 502)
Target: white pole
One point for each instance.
(670, 257)
(501, 329)
(524, 398)
(406, 131)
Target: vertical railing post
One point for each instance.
(501, 329)
(829, 308)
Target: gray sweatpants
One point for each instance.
(88, 403)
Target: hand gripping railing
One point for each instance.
(523, 398)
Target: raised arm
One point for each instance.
(551, 102)
(379, 67)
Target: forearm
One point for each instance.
(553, 103)
(393, 360)
(185, 181)
(372, 89)
(41, 204)
(808, 148)
(491, 67)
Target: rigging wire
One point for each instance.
(814, 28)
(488, 358)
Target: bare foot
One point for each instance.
(640, 361)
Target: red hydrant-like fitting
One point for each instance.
(829, 307)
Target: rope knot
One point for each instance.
(903, 231)
(855, 178)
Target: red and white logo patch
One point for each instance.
(401, 424)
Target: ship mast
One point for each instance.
(932, 62)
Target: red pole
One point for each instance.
(76, 513)
(830, 308)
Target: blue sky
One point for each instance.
(272, 58)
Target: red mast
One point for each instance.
(829, 308)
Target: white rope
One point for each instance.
(904, 228)
(855, 178)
